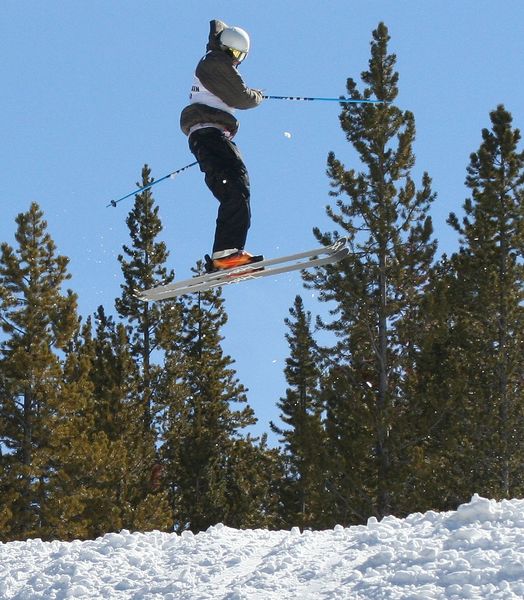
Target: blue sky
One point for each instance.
(93, 90)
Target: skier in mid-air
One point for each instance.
(210, 124)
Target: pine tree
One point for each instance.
(101, 457)
(254, 477)
(202, 427)
(488, 311)
(301, 410)
(70, 455)
(38, 320)
(131, 457)
(150, 326)
(144, 268)
(434, 480)
(377, 294)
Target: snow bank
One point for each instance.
(474, 552)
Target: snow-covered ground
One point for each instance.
(474, 552)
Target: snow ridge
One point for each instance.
(476, 551)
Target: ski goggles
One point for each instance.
(237, 54)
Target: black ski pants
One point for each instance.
(227, 178)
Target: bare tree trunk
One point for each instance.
(383, 455)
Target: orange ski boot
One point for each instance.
(237, 258)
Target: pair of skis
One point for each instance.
(264, 268)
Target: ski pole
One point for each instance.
(310, 99)
(150, 185)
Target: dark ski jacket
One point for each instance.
(218, 89)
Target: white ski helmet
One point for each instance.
(236, 41)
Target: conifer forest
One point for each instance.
(134, 417)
